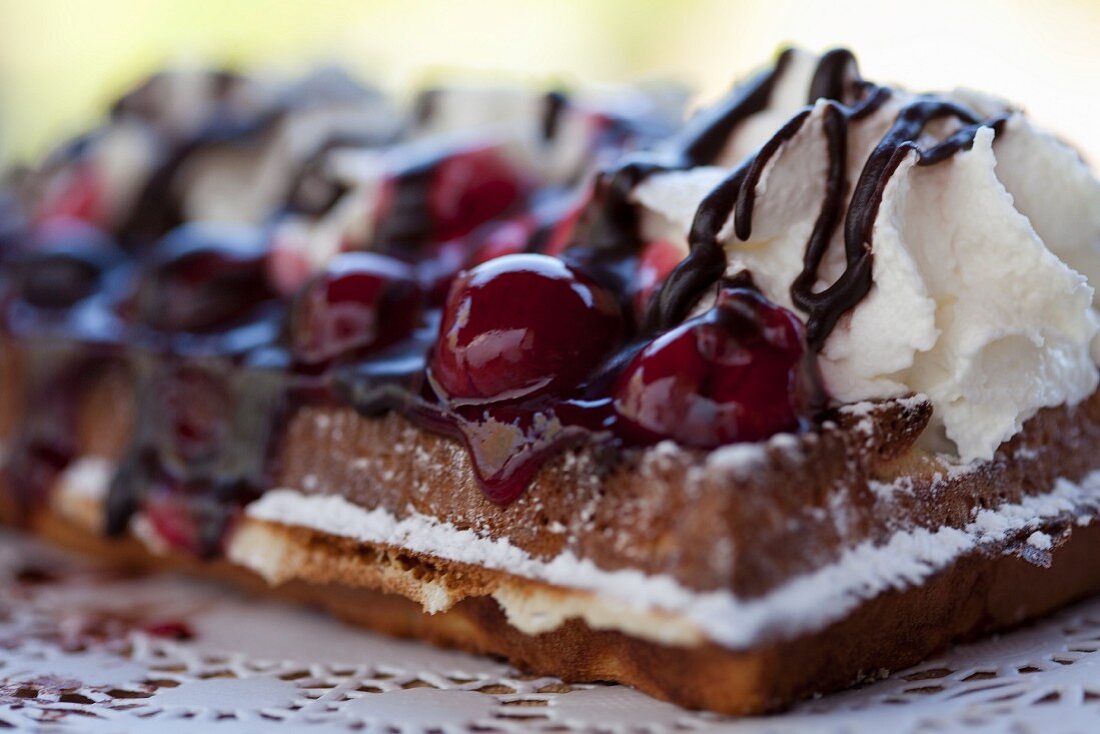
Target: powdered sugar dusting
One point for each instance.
(741, 460)
(1039, 540)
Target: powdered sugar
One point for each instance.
(1039, 540)
(741, 460)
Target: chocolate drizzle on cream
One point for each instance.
(613, 224)
(848, 98)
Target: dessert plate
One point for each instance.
(83, 649)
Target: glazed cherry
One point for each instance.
(489, 241)
(361, 301)
(63, 262)
(565, 222)
(171, 520)
(193, 420)
(204, 277)
(508, 237)
(78, 195)
(521, 325)
(658, 259)
(470, 188)
(186, 522)
(739, 372)
(170, 629)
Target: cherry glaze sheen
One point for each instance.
(463, 189)
(522, 325)
(489, 241)
(471, 188)
(658, 259)
(203, 277)
(62, 262)
(78, 195)
(360, 301)
(193, 417)
(739, 372)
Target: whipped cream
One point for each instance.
(981, 263)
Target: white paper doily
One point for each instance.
(84, 650)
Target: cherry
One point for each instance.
(79, 195)
(172, 520)
(361, 301)
(204, 276)
(565, 224)
(489, 241)
(739, 372)
(188, 522)
(63, 262)
(170, 629)
(508, 237)
(194, 419)
(521, 325)
(432, 197)
(658, 259)
(470, 188)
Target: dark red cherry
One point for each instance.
(288, 268)
(739, 372)
(565, 224)
(63, 261)
(508, 237)
(489, 241)
(170, 629)
(203, 277)
(520, 325)
(361, 301)
(658, 259)
(79, 196)
(470, 188)
(193, 418)
(174, 523)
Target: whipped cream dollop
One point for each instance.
(980, 295)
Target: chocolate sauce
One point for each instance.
(613, 222)
(313, 190)
(159, 205)
(553, 105)
(405, 225)
(425, 106)
(836, 81)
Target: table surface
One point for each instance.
(83, 649)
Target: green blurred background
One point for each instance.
(61, 60)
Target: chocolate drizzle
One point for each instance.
(613, 224)
(835, 80)
(159, 205)
(553, 105)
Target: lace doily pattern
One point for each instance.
(83, 649)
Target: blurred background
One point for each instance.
(61, 61)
